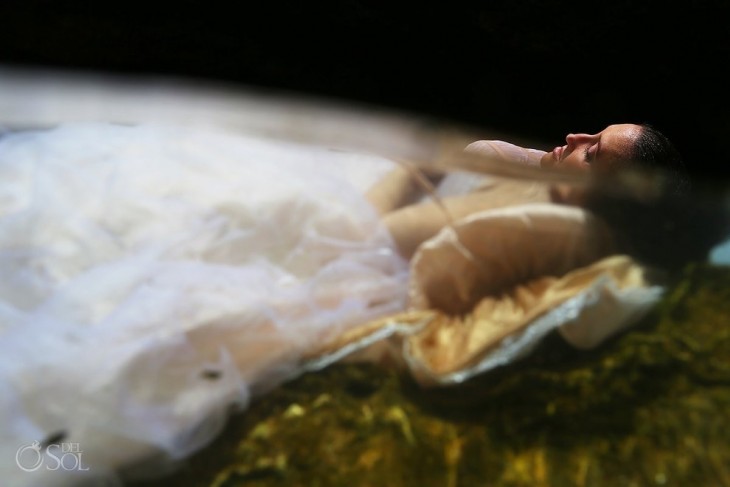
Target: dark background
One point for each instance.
(539, 69)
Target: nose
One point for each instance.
(574, 140)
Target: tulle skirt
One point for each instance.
(155, 278)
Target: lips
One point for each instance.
(558, 153)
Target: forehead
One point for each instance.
(617, 142)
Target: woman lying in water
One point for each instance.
(172, 273)
(495, 269)
(663, 203)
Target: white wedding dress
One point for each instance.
(160, 271)
(154, 277)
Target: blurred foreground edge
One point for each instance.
(40, 98)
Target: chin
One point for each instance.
(547, 161)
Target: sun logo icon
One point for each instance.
(29, 457)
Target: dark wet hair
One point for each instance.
(667, 224)
(654, 151)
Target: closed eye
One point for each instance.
(589, 156)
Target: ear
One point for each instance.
(567, 195)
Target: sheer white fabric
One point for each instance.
(155, 276)
(495, 150)
(506, 151)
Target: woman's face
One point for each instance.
(598, 152)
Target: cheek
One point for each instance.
(605, 166)
(574, 161)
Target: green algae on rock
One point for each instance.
(648, 407)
